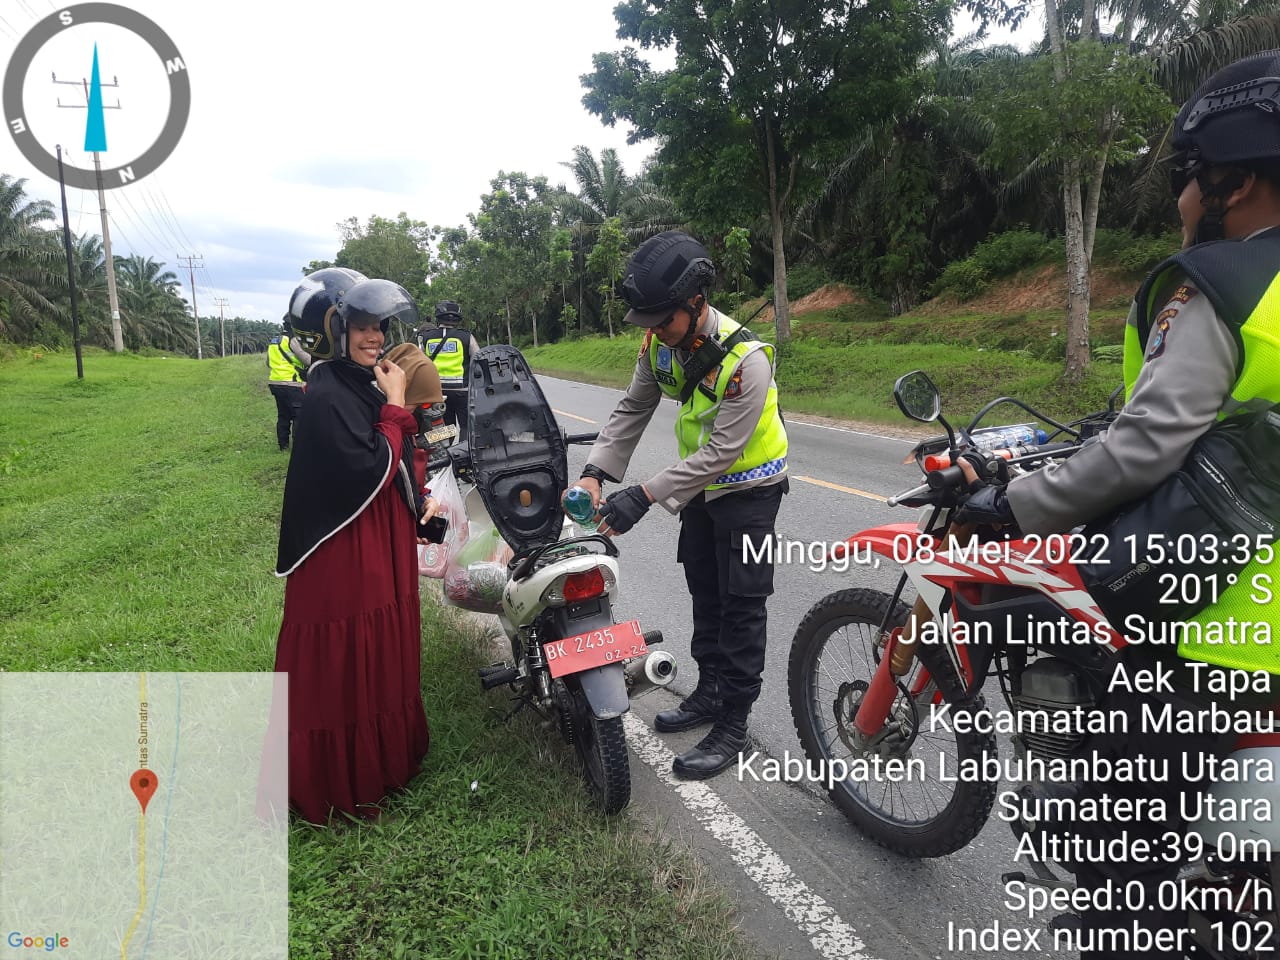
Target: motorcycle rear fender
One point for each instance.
(606, 690)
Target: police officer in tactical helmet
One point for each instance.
(450, 347)
(1202, 345)
(726, 487)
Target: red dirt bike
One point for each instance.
(886, 693)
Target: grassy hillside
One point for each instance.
(844, 360)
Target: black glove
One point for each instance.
(986, 504)
(623, 509)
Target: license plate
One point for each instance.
(442, 433)
(595, 648)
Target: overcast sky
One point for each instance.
(301, 119)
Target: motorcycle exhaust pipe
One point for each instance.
(656, 669)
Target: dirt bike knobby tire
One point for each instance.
(971, 803)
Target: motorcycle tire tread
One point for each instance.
(967, 812)
(610, 786)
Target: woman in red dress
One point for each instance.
(351, 638)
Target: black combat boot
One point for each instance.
(717, 751)
(701, 706)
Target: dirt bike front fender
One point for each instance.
(896, 541)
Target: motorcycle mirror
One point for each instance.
(918, 397)
(1116, 394)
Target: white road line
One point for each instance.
(794, 418)
(831, 937)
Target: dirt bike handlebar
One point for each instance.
(951, 477)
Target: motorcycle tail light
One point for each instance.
(583, 586)
(576, 587)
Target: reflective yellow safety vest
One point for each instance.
(766, 452)
(448, 352)
(1242, 281)
(284, 366)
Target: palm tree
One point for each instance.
(149, 301)
(911, 193)
(29, 255)
(90, 261)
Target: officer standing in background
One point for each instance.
(726, 487)
(287, 365)
(450, 347)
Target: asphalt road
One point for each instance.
(886, 907)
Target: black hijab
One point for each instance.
(340, 461)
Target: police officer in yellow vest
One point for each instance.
(287, 364)
(1202, 345)
(450, 347)
(726, 487)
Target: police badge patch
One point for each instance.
(1161, 335)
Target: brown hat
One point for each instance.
(423, 382)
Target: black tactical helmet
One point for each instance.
(1234, 116)
(663, 273)
(448, 310)
(311, 310)
(375, 301)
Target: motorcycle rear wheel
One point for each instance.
(601, 746)
(833, 658)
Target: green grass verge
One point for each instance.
(843, 362)
(139, 510)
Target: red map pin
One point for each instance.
(143, 783)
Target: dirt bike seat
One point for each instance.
(516, 448)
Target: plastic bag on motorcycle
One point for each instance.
(433, 558)
(477, 573)
(1218, 511)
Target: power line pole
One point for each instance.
(222, 330)
(117, 333)
(191, 272)
(71, 276)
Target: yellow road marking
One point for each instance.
(572, 416)
(142, 882)
(836, 486)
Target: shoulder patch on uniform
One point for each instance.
(644, 344)
(1183, 294)
(1160, 333)
(734, 387)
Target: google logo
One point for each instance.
(39, 943)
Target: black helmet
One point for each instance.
(663, 273)
(374, 301)
(311, 309)
(1234, 116)
(448, 310)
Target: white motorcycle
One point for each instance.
(570, 660)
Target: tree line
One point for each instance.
(824, 140)
(35, 301)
